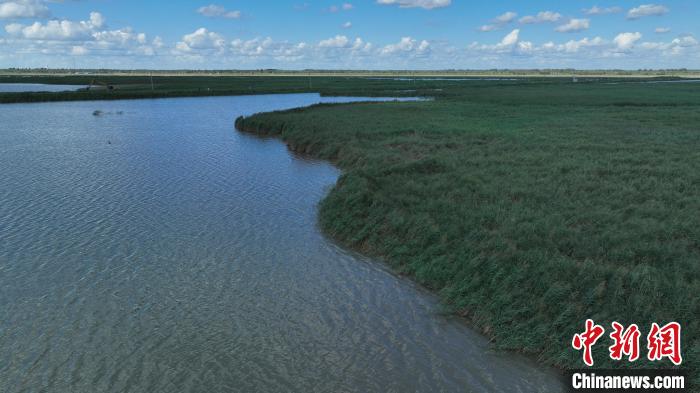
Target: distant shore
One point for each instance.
(361, 73)
(115, 85)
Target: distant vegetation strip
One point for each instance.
(138, 86)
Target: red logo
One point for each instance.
(665, 342)
(587, 339)
(626, 342)
(662, 342)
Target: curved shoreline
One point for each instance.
(308, 149)
(327, 133)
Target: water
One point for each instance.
(34, 87)
(162, 251)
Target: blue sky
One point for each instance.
(362, 34)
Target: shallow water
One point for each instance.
(162, 251)
(34, 87)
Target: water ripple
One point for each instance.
(185, 257)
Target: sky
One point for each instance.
(350, 34)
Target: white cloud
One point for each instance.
(96, 19)
(685, 41)
(338, 41)
(626, 41)
(407, 45)
(499, 22)
(57, 30)
(79, 38)
(14, 28)
(508, 43)
(506, 17)
(541, 17)
(426, 4)
(17, 9)
(574, 25)
(347, 6)
(486, 28)
(201, 39)
(347, 25)
(595, 10)
(574, 46)
(662, 30)
(511, 38)
(678, 47)
(217, 11)
(59, 42)
(647, 10)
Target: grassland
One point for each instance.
(529, 207)
(528, 204)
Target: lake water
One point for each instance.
(159, 250)
(28, 87)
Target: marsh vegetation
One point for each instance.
(529, 206)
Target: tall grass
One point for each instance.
(529, 207)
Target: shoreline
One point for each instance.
(145, 86)
(306, 150)
(322, 133)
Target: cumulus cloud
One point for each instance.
(486, 28)
(678, 47)
(647, 10)
(54, 41)
(574, 25)
(574, 46)
(201, 39)
(426, 4)
(626, 50)
(511, 43)
(213, 50)
(626, 41)
(58, 30)
(506, 17)
(511, 38)
(662, 30)
(541, 17)
(20, 9)
(206, 46)
(217, 11)
(338, 41)
(79, 38)
(595, 10)
(499, 22)
(347, 25)
(407, 45)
